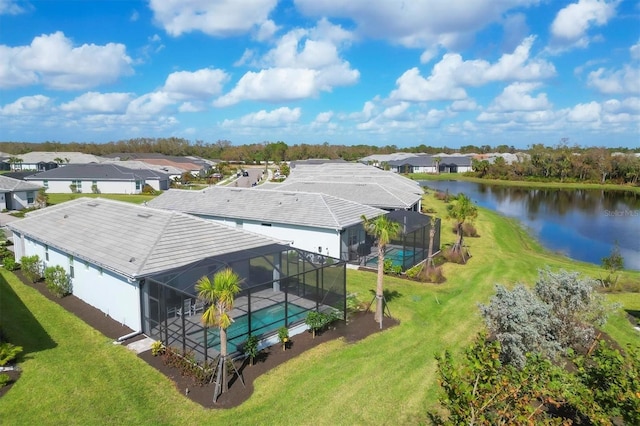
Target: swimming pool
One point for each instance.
(396, 255)
(262, 321)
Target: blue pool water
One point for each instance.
(397, 256)
(262, 321)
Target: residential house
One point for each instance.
(140, 265)
(99, 178)
(17, 194)
(315, 222)
(45, 160)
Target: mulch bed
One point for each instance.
(358, 326)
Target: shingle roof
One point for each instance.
(273, 206)
(130, 239)
(97, 172)
(8, 184)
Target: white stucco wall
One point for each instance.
(110, 293)
(305, 238)
(105, 187)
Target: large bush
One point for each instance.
(559, 313)
(31, 267)
(57, 280)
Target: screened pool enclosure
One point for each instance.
(411, 246)
(280, 286)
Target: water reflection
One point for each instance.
(583, 224)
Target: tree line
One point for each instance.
(564, 164)
(537, 162)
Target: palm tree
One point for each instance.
(460, 211)
(437, 161)
(433, 222)
(219, 294)
(383, 230)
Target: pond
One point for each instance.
(582, 224)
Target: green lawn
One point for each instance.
(74, 375)
(131, 198)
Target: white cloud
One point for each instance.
(150, 104)
(203, 83)
(10, 7)
(417, 23)
(300, 65)
(280, 117)
(516, 97)
(463, 105)
(93, 102)
(572, 23)
(625, 80)
(634, 51)
(452, 73)
(53, 61)
(585, 113)
(212, 17)
(324, 117)
(28, 105)
(267, 29)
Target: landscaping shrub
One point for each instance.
(354, 304)
(31, 267)
(317, 321)
(468, 230)
(188, 365)
(251, 348)
(148, 189)
(57, 280)
(4, 380)
(10, 264)
(283, 336)
(414, 271)
(157, 348)
(454, 256)
(432, 274)
(8, 352)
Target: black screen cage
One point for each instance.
(280, 285)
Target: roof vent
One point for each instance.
(92, 204)
(66, 216)
(145, 215)
(133, 259)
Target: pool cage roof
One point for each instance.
(279, 285)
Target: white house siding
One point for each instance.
(110, 293)
(105, 187)
(305, 238)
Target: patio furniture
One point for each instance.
(197, 307)
(186, 308)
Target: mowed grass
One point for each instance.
(74, 375)
(131, 198)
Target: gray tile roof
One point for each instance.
(49, 157)
(370, 194)
(130, 239)
(97, 172)
(272, 206)
(8, 184)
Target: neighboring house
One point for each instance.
(139, 265)
(355, 182)
(17, 194)
(442, 163)
(173, 172)
(44, 160)
(175, 166)
(314, 222)
(99, 178)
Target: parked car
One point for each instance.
(245, 173)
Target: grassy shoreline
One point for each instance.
(388, 377)
(525, 184)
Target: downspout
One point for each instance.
(128, 336)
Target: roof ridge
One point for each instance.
(155, 243)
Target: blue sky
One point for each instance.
(386, 72)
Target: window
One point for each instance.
(46, 253)
(71, 273)
(30, 197)
(45, 183)
(138, 185)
